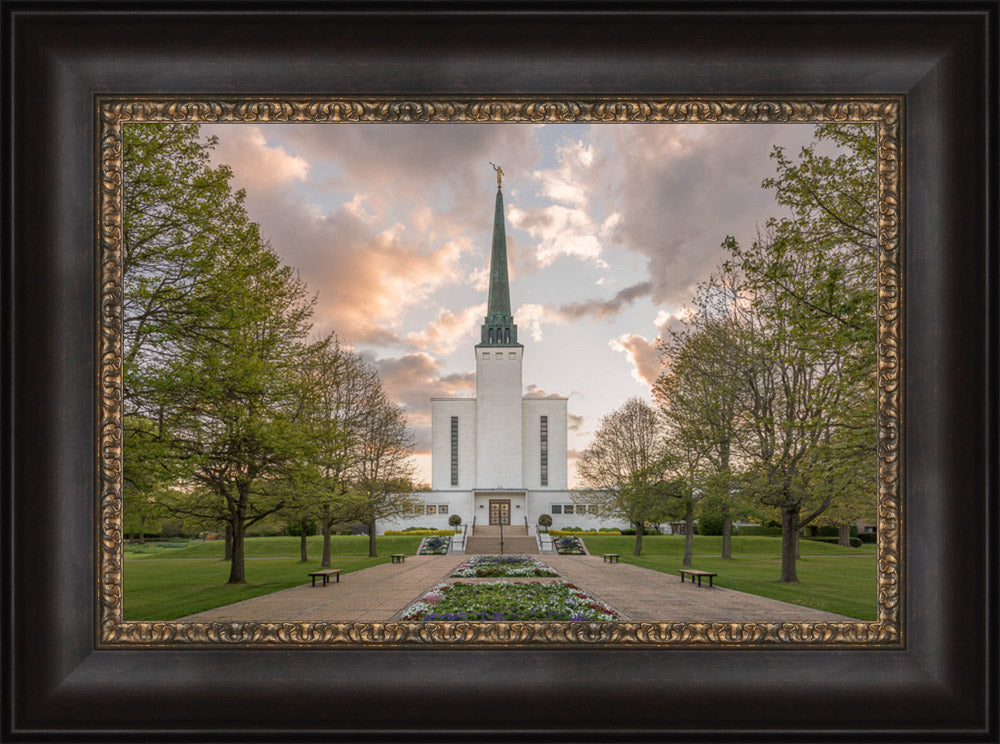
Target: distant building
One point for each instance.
(498, 458)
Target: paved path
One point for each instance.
(380, 593)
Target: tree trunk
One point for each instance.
(727, 533)
(303, 554)
(688, 533)
(237, 569)
(228, 554)
(372, 552)
(789, 544)
(326, 542)
(639, 529)
(844, 535)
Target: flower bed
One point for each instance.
(568, 546)
(435, 546)
(504, 600)
(495, 566)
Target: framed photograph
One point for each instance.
(923, 666)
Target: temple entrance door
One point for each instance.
(499, 511)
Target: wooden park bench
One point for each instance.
(326, 573)
(695, 573)
(611, 557)
(398, 557)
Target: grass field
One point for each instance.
(165, 581)
(831, 578)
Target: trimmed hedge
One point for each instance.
(868, 537)
(759, 530)
(422, 533)
(577, 532)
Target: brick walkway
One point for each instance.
(380, 593)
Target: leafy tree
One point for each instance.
(622, 471)
(215, 334)
(237, 396)
(808, 333)
(346, 386)
(382, 470)
(699, 393)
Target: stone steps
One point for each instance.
(492, 530)
(478, 545)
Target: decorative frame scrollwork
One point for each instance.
(887, 631)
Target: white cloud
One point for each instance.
(529, 318)
(560, 231)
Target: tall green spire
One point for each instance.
(499, 328)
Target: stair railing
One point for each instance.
(501, 537)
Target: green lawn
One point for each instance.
(170, 582)
(275, 547)
(831, 578)
(164, 581)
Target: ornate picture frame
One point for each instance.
(67, 677)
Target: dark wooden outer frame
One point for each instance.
(56, 685)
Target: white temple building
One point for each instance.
(498, 458)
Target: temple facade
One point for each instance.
(500, 457)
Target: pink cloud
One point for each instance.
(448, 329)
(642, 355)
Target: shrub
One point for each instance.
(171, 528)
(628, 531)
(868, 537)
(572, 529)
(760, 530)
(422, 533)
(578, 532)
(544, 520)
(295, 528)
(610, 529)
(454, 520)
(710, 524)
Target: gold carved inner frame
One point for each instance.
(885, 113)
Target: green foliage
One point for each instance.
(623, 469)
(454, 520)
(760, 530)
(710, 524)
(234, 414)
(578, 531)
(295, 529)
(421, 532)
(545, 520)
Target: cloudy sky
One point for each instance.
(610, 227)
